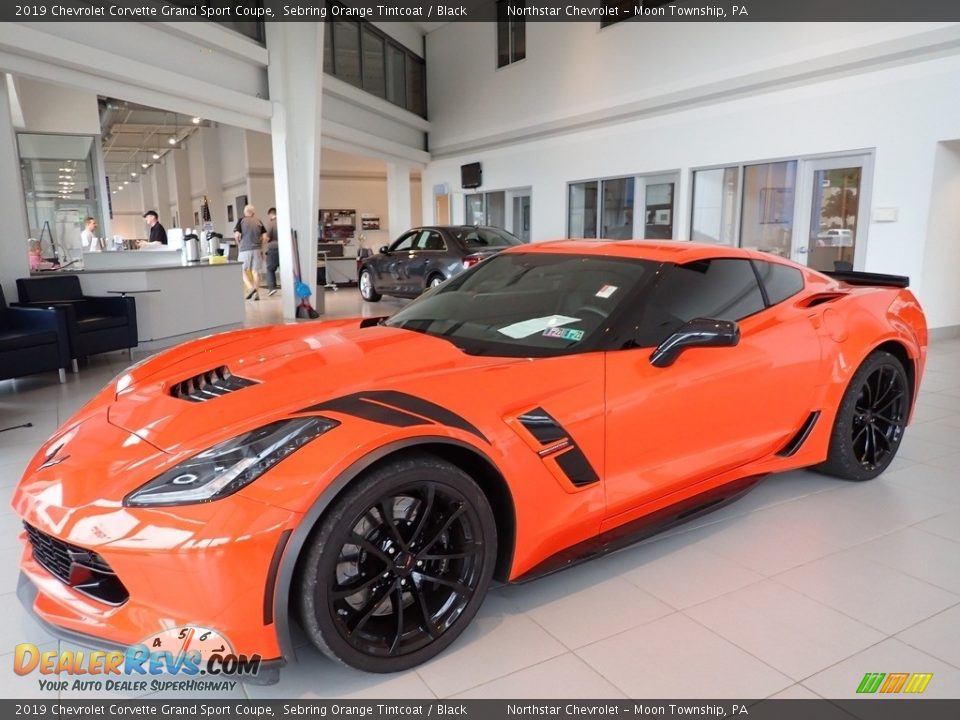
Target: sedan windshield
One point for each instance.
(527, 304)
(477, 238)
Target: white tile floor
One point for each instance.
(795, 591)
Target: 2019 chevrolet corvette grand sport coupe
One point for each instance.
(367, 479)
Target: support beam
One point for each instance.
(212, 179)
(179, 165)
(14, 262)
(398, 199)
(295, 77)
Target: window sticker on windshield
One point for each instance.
(526, 328)
(606, 291)
(564, 333)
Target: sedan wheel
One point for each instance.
(400, 566)
(367, 291)
(870, 421)
(436, 280)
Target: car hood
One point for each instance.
(290, 367)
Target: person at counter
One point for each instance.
(158, 233)
(89, 241)
(251, 236)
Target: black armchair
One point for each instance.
(32, 340)
(94, 324)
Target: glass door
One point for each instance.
(521, 217)
(657, 220)
(833, 212)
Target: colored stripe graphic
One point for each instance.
(918, 682)
(870, 682)
(894, 682)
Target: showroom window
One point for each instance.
(724, 289)
(486, 209)
(611, 218)
(758, 198)
(511, 33)
(361, 54)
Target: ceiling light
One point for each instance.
(144, 165)
(172, 141)
(156, 156)
(114, 192)
(196, 120)
(133, 174)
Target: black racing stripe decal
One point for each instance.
(542, 426)
(576, 467)
(359, 407)
(425, 408)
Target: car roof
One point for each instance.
(672, 251)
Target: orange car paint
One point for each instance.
(654, 436)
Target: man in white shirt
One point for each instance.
(90, 241)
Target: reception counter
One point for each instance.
(174, 302)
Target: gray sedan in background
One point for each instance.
(426, 256)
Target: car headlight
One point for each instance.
(230, 465)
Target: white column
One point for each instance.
(105, 229)
(212, 179)
(682, 206)
(179, 164)
(295, 76)
(398, 199)
(13, 242)
(161, 193)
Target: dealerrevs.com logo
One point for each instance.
(892, 683)
(187, 652)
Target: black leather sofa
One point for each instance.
(32, 340)
(94, 324)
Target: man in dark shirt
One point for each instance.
(157, 231)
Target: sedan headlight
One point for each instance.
(230, 465)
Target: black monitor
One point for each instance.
(471, 176)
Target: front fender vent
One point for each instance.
(209, 385)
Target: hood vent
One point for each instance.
(209, 385)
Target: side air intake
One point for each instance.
(209, 385)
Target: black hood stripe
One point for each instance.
(389, 407)
(425, 408)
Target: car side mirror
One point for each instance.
(384, 250)
(699, 332)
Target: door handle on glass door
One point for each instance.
(802, 250)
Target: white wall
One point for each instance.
(578, 71)
(941, 289)
(49, 108)
(901, 112)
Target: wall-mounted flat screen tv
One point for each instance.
(471, 176)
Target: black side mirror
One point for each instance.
(699, 332)
(384, 250)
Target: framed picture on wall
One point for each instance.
(338, 224)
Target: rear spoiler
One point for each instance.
(852, 277)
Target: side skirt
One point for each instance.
(642, 528)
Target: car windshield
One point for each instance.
(527, 304)
(477, 238)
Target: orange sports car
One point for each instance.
(367, 479)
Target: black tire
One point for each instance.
(871, 420)
(434, 280)
(368, 290)
(398, 566)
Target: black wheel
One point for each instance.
(367, 290)
(870, 421)
(435, 280)
(399, 565)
